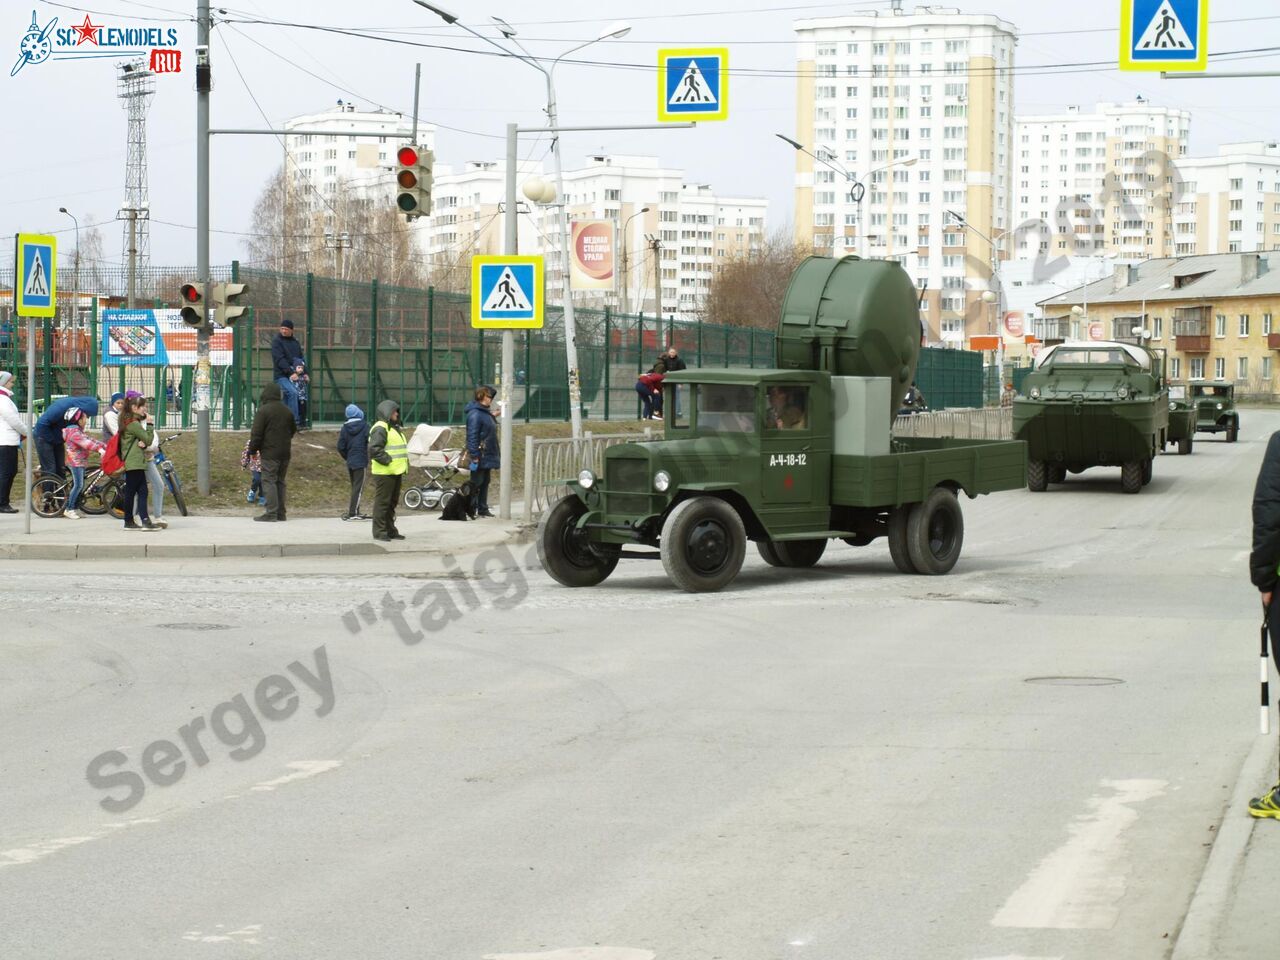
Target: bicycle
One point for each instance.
(49, 494)
(168, 472)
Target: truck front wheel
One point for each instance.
(703, 544)
(1184, 446)
(1131, 476)
(1233, 431)
(792, 553)
(565, 551)
(935, 532)
(1037, 476)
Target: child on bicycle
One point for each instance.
(79, 448)
(254, 465)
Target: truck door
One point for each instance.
(787, 457)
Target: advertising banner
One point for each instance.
(156, 338)
(593, 265)
(1014, 327)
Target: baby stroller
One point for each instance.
(429, 452)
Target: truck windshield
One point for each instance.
(726, 408)
(1093, 357)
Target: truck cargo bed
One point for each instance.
(918, 464)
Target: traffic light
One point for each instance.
(225, 296)
(193, 306)
(413, 180)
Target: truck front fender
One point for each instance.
(731, 495)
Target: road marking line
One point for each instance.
(44, 848)
(1079, 885)
(579, 953)
(303, 768)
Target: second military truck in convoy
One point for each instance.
(791, 457)
(1093, 404)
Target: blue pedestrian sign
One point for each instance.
(693, 84)
(1164, 35)
(35, 268)
(507, 292)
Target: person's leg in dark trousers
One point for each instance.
(646, 400)
(481, 479)
(383, 487)
(396, 483)
(135, 497)
(282, 510)
(53, 457)
(271, 488)
(357, 488)
(8, 470)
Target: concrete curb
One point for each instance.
(1211, 902)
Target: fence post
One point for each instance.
(373, 345)
(47, 356)
(726, 345)
(699, 341)
(528, 373)
(528, 474)
(639, 354)
(311, 399)
(483, 378)
(608, 329)
(751, 349)
(93, 343)
(186, 399)
(431, 354)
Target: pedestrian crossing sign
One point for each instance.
(507, 293)
(693, 84)
(35, 273)
(1164, 35)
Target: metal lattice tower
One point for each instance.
(135, 86)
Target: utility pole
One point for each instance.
(510, 241)
(655, 246)
(204, 83)
(133, 259)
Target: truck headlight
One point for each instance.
(1219, 406)
(661, 481)
(1123, 392)
(1172, 405)
(586, 479)
(1035, 393)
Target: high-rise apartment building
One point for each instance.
(1229, 203)
(918, 107)
(1103, 182)
(695, 229)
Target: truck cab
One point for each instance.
(1215, 408)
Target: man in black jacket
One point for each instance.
(1264, 561)
(286, 359)
(272, 437)
(671, 359)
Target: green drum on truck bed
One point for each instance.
(791, 457)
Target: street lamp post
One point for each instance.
(995, 296)
(902, 162)
(613, 32)
(625, 227)
(75, 269)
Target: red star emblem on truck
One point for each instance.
(88, 31)
(788, 481)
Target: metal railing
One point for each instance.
(549, 462)
(987, 424)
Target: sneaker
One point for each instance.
(250, 497)
(132, 526)
(263, 518)
(262, 501)
(7, 509)
(71, 515)
(345, 517)
(361, 516)
(1267, 805)
(160, 522)
(148, 526)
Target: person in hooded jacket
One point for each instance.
(50, 447)
(271, 436)
(353, 444)
(12, 432)
(482, 444)
(389, 462)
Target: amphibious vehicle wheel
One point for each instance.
(1131, 476)
(1233, 431)
(413, 498)
(935, 532)
(768, 554)
(898, 551)
(1184, 446)
(793, 553)
(1057, 473)
(565, 551)
(1037, 476)
(703, 544)
(1146, 472)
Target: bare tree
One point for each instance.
(747, 291)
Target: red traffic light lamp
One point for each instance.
(193, 306)
(413, 181)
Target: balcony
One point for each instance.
(1273, 341)
(1192, 343)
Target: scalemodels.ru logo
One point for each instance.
(92, 40)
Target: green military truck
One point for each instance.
(791, 457)
(1093, 404)
(1182, 420)
(1215, 408)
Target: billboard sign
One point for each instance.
(593, 264)
(157, 338)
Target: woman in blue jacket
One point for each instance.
(353, 444)
(482, 444)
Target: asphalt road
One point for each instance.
(1027, 758)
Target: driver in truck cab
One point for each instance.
(786, 409)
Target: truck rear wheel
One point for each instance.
(1184, 446)
(565, 551)
(1146, 472)
(703, 544)
(1037, 476)
(1233, 431)
(935, 532)
(1057, 473)
(791, 553)
(897, 538)
(1131, 477)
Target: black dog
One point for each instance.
(461, 506)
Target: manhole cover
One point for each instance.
(195, 626)
(1075, 681)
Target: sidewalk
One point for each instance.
(103, 538)
(1232, 914)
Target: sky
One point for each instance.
(67, 131)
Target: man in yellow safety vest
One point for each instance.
(389, 462)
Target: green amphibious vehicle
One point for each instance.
(790, 457)
(1094, 404)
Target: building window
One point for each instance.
(1220, 325)
(1175, 368)
(1244, 324)
(1157, 328)
(1197, 368)
(1242, 368)
(1266, 370)
(1266, 324)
